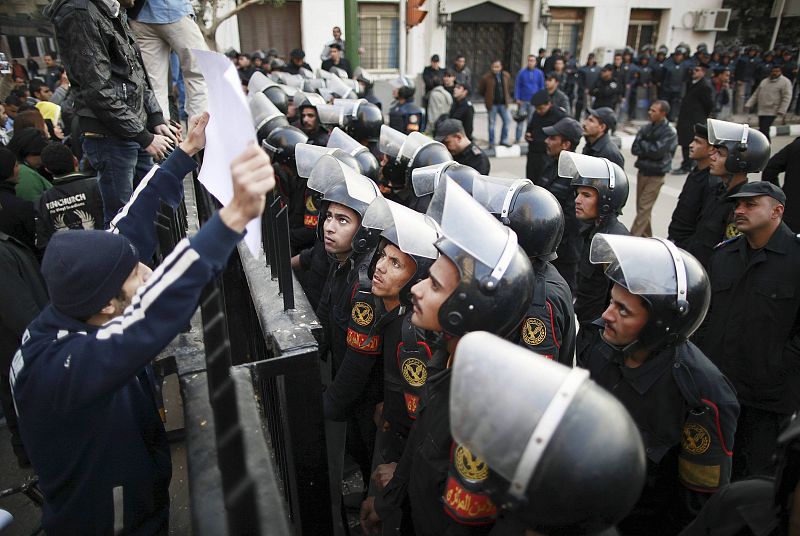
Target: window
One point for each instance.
(643, 28)
(565, 30)
(380, 36)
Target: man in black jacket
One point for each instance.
(597, 128)
(608, 90)
(546, 114)
(118, 111)
(337, 60)
(787, 160)
(654, 145)
(74, 201)
(703, 211)
(462, 107)
(696, 107)
(17, 215)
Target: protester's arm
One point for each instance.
(163, 183)
(102, 361)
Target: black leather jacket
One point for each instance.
(112, 93)
(654, 145)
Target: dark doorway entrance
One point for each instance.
(484, 33)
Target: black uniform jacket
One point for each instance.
(695, 108)
(569, 250)
(464, 112)
(537, 149)
(442, 502)
(752, 331)
(703, 216)
(549, 325)
(787, 160)
(654, 146)
(591, 293)
(607, 93)
(475, 158)
(603, 147)
(686, 411)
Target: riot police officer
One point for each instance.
(452, 134)
(535, 215)
(676, 72)
(601, 190)
(308, 120)
(367, 164)
(404, 115)
(684, 407)
(538, 468)
(481, 280)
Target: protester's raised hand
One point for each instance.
(196, 139)
(253, 177)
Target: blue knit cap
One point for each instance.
(83, 270)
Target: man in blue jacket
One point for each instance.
(82, 380)
(529, 81)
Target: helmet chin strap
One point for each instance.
(624, 350)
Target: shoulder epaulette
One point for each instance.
(728, 241)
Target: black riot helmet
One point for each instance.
(601, 174)
(280, 143)
(496, 277)
(671, 282)
(540, 426)
(412, 233)
(426, 179)
(367, 163)
(429, 153)
(531, 211)
(360, 119)
(399, 148)
(339, 183)
(307, 156)
(748, 148)
(366, 78)
(266, 116)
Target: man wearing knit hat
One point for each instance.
(82, 383)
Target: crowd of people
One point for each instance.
(499, 355)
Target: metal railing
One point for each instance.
(250, 388)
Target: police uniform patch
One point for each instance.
(310, 204)
(533, 331)
(696, 439)
(415, 372)
(470, 467)
(362, 314)
(731, 231)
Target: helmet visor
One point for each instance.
(572, 165)
(495, 193)
(330, 114)
(391, 141)
(262, 109)
(289, 90)
(305, 73)
(313, 85)
(467, 224)
(293, 80)
(340, 88)
(644, 266)
(329, 171)
(426, 179)
(307, 157)
(341, 140)
(400, 81)
(308, 99)
(415, 141)
(258, 83)
(416, 234)
(498, 395)
(721, 131)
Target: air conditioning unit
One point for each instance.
(712, 20)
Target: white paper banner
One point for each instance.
(228, 132)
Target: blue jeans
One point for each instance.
(504, 116)
(117, 162)
(523, 125)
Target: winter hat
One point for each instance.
(83, 270)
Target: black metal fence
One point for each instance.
(250, 388)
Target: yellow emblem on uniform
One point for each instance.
(731, 231)
(415, 372)
(362, 313)
(696, 439)
(469, 466)
(533, 331)
(310, 207)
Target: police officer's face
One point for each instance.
(592, 126)
(625, 317)
(309, 119)
(341, 224)
(756, 213)
(555, 144)
(454, 143)
(586, 203)
(392, 271)
(718, 157)
(428, 295)
(699, 148)
(605, 75)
